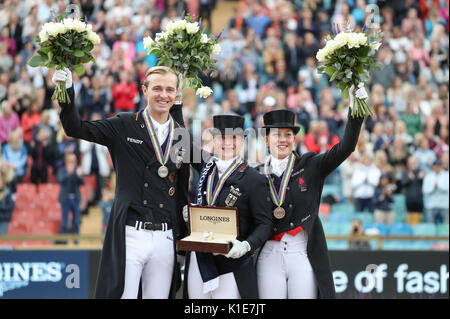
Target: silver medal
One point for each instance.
(163, 171)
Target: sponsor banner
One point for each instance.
(357, 274)
(390, 274)
(44, 274)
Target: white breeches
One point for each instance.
(150, 254)
(284, 271)
(227, 287)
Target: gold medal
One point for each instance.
(279, 212)
(163, 171)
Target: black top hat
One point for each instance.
(280, 119)
(228, 125)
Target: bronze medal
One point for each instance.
(279, 212)
(163, 171)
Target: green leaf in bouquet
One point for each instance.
(349, 75)
(364, 51)
(337, 65)
(345, 93)
(79, 69)
(78, 53)
(333, 76)
(50, 57)
(35, 61)
(363, 59)
(330, 70)
(353, 62)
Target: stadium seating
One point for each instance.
(364, 217)
(346, 208)
(382, 228)
(424, 229)
(400, 229)
(339, 217)
(331, 228)
(331, 189)
(442, 230)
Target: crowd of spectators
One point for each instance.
(267, 62)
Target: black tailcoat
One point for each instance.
(254, 208)
(303, 199)
(137, 185)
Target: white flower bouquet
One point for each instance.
(66, 43)
(348, 58)
(188, 50)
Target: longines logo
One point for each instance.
(215, 219)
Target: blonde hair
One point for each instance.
(158, 70)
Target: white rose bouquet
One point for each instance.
(188, 50)
(348, 58)
(65, 43)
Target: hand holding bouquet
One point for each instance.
(348, 58)
(186, 49)
(64, 44)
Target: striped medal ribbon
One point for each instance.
(278, 198)
(213, 193)
(163, 171)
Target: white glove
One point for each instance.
(239, 249)
(64, 75)
(360, 93)
(185, 213)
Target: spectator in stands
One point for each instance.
(65, 144)
(357, 230)
(7, 171)
(397, 157)
(6, 61)
(322, 141)
(383, 201)
(424, 155)
(347, 168)
(30, 119)
(95, 162)
(10, 42)
(9, 121)
(364, 181)
(15, 153)
(413, 119)
(106, 205)
(385, 76)
(436, 193)
(42, 152)
(124, 93)
(6, 206)
(412, 181)
(70, 177)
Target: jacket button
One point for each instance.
(290, 205)
(145, 184)
(144, 202)
(268, 198)
(161, 205)
(274, 229)
(291, 224)
(288, 188)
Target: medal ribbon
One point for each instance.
(162, 158)
(278, 198)
(212, 194)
